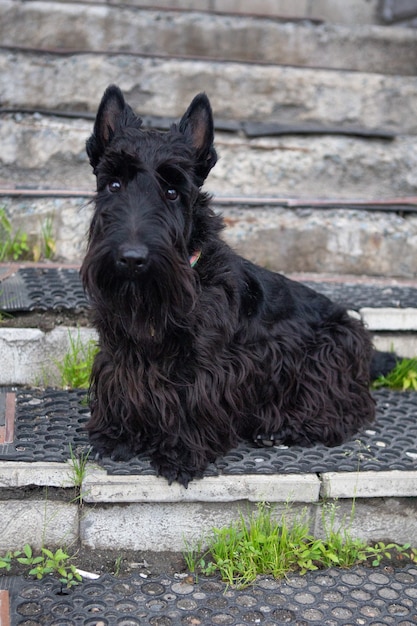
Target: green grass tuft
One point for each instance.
(403, 377)
(75, 368)
(264, 546)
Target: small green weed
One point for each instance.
(403, 377)
(78, 465)
(47, 562)
(13, 245)
(117, 565)
(56, 563)
(242, 551)
(7, 560)
(78, 471)
(48, 245)
(75, 369)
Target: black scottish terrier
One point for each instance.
(200, 348)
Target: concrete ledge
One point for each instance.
(390, 319)
(39, 523)
(100, 487)
(169, 526)
(41, 474)
(29, 354)
(81, 26)
(165, 526)
(404, 344)
(145, 513)
(374, 519)
(369, 484)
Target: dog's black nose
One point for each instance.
(132, 258)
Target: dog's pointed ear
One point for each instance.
(197, 125)
(112, 113)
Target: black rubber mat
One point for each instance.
(32, 288)
(356, 296)
(48, 422)
(332, 597)
(40, 289)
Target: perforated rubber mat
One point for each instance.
(330, 597)
(48, 422)
(355, 296)
(40, 288)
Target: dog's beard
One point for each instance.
(148, 304)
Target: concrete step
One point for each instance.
(238, 91)
(89, 27)
(126, 506)
(31, 347)
(51, 152)
(358, 12)
(283, 234)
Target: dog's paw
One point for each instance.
(174, 473)
(266, 440)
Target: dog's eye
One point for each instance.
(171, 194)
(114, 186)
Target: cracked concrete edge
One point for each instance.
(371, 484)
(186, 517)
(14, 474)
(100, 487)
(389, 319)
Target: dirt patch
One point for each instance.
(120, 563)
(45, 320)
(125, 562)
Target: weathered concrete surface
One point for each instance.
(117, 28)
(369, 484)
(41, 474)
(237, 91)
(375, 519)
(166, 526)
(52, 154)
(166, 517)
(39, 523)
(338, 167)
(69, 216)
(334, 241)
(386, 319)
(46, 152)
(159, 527)
(404, 344)
(99, 488)
(356, 12)
(30, 356)
(324, 240)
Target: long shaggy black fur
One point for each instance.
(193, 358)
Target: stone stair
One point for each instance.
(316, 130)
(308, 105)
